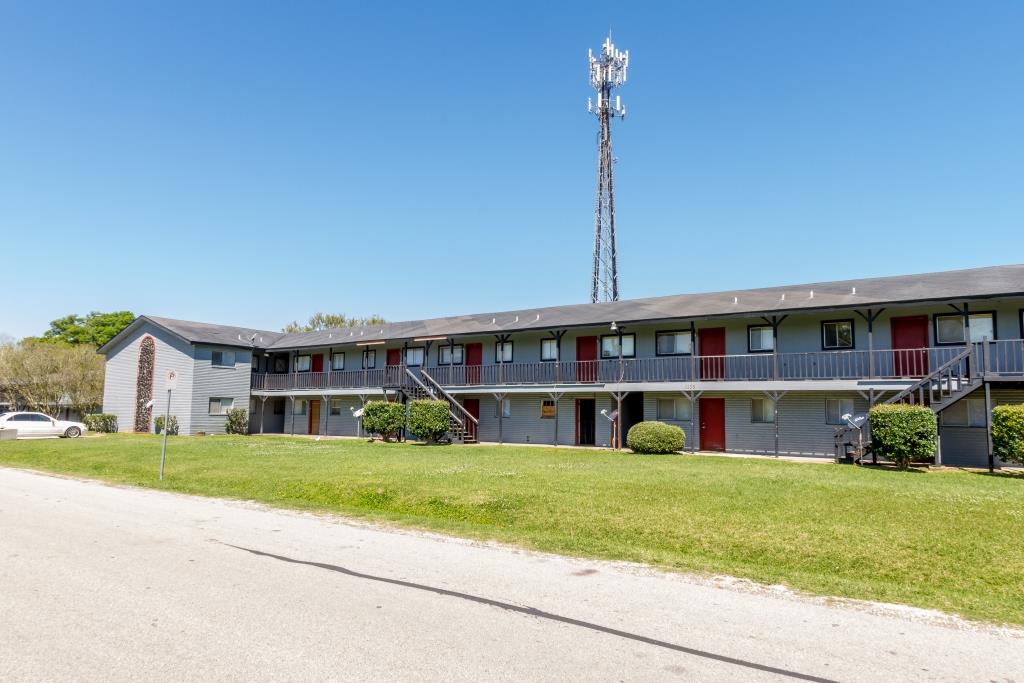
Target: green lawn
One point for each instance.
(948, 540)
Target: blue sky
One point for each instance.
(254, 162)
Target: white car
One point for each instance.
(30, 425)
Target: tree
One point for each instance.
(331, 321)
(45, 376)
(95, 328)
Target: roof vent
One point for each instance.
(494, 320)
(735, 299)
(783, 296)
(537, 318)
(516, 320)
(853, 291)
(812, 293)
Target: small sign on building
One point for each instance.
(172, 380)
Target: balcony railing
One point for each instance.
(1003, 358)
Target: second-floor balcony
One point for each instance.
(1002, 358)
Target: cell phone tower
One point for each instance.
(607, 72)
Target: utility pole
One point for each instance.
(607, 72)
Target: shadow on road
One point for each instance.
(542, 615)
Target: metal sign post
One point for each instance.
(171, 383)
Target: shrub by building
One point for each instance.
(237, 422)
(384, 418)
(100, 422)
(172, 425)
(1008, 433)
(428, 419)
(903, 433)
(655, 437)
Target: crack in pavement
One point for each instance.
(533, 612)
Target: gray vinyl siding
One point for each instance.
(968, 446)
(330, 425)
(220, 382)
(801, 417)
(119, 387)
(527, 427)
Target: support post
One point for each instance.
(499, 358)
(499, 398)
(263, 411)
(556, 396)
(775, 321)
(327, 410)
(618, 437)
(775, 397)
(988, 426)
(692, 397)
(293, 414)
(870, 317)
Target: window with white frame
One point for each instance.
(762, 410)
(302, 363)
(221, 406)
(299, 406)
(967, 412)
(223, 359)
(548, 349)
(335, 406)
(760, 338)
(414, 356)
(835, 408)
(949, 329)
(673, 343)
(506, 407)
(610, 346)
(450, 354)
(674, 409)
(369, 359)
(503, 352)
(338, 360)
(837, 334)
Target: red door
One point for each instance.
(317, 362)
(474, 359)
(711, 343)
(712, 424)
(472, 406)
(394, 356)
(586, 359)
(910, 346)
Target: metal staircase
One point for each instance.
(945, 385)
(462, 427)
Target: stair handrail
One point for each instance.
(936, 374)
(451, 399)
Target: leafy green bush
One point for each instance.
(1008, 433)
(101, 422)
(428, 419)
(384, 418)
(903, 433)
(655, 437)
(237, 422)
(172, 425)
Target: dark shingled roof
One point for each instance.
(954, 284)
(972, 283)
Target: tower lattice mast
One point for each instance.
(607, 72)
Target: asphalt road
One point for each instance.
(108, 583)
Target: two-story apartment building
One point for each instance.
(770, 370)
